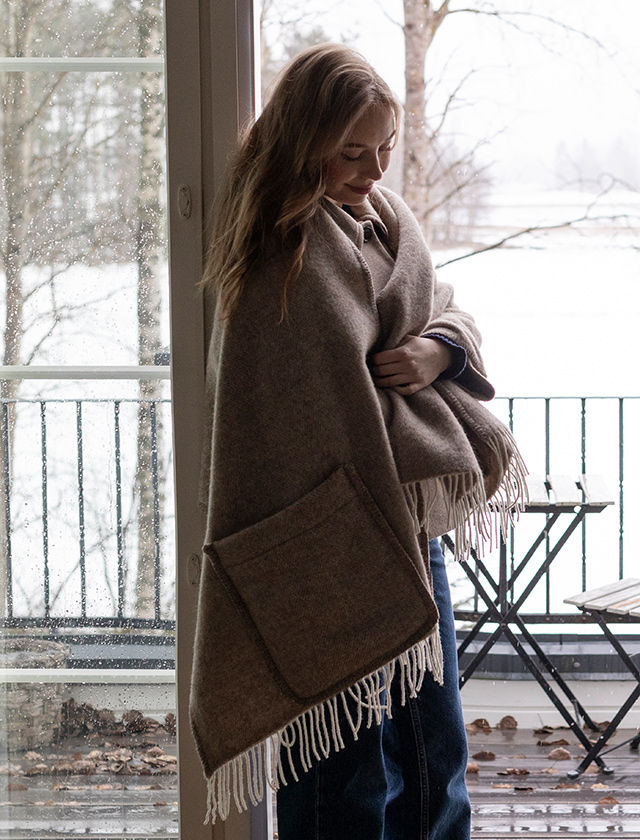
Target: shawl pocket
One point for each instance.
(325, 589)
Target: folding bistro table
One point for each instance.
(566, 502)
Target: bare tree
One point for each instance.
(82, 177)
(442, 183)
(149, 252)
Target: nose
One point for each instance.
(374, 170)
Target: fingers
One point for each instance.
(397, 355)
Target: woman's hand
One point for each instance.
(416, 363)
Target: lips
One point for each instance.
(360, 190)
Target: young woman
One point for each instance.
(345, 434)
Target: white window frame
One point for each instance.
(210, 94)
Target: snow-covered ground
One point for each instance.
(562, 318)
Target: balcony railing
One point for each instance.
(571, 436)
(70, 512)
(72, 518)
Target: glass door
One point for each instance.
(87, 649)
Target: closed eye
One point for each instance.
(352, 158)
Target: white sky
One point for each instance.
(532, 90)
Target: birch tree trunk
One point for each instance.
(150, 237)
(15, 134)
(421, 22)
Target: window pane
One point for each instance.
(87, 625)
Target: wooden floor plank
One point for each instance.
(545, 801)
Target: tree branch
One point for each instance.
(570, 223)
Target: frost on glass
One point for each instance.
(86, 528)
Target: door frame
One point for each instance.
(210, 83)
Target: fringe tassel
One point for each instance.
(476, 521)
(318, 731)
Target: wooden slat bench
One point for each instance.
(621, 598)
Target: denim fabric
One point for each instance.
(403, 780)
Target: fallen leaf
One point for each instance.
(472, 767)
(36, 770)
(567, 786)
(599, 786)
(559, 754)
(63, 767)
(32, 756)
(521, 755)
(478, 725)
(502, 785)
(551, 770)
(63, 786)
(608, 800)
(544, 730)
(484, 755)
(507, 722)
(598, 726)
(159, 804)
(513, 771)
(16, 786)
(561, 742)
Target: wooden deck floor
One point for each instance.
(541, 800)
(140, 800)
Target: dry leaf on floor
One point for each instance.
(484, 755)
(502, 785)
(551, 770)
(566, 786)
(472, 767)
(513, 771)
(561, 742)
(600, 726)
(559, 754)
(37, 770)
(544, 730)
(599, 786)
(608, 800)
(507, 722)
(478, 725)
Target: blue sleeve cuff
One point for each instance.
(459, 356)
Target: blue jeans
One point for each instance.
(403, 780)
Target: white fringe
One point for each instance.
(319, 731)
(476, 521)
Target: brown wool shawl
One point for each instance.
(321, 490)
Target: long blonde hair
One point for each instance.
(274, 185)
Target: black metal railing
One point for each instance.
(70, 512)
(572, 436)
(76, 480)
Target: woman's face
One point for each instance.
(354, 169)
